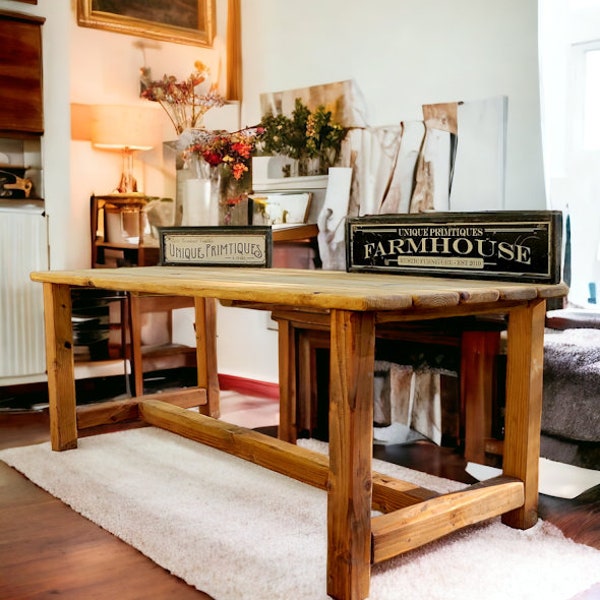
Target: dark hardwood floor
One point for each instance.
(48, 550)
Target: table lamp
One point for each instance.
(127, 129)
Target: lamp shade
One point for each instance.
(115, 127)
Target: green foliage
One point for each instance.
(303, 135)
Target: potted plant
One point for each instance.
(312, 139)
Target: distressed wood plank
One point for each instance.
(409, 528)
(302, 288)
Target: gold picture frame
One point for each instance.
(152, 20)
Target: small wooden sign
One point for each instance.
(508, 245)
(216, 246)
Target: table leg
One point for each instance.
(135, 329)
(524, 379)
(60, 366)
(287, 381)
(350, 454)
(206, 354)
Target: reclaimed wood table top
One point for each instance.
(305, 288)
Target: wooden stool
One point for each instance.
(302, 333)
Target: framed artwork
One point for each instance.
(184, 22)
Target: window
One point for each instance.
(591, 99)
(570, 75)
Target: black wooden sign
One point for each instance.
(216, 246)
(508, 245)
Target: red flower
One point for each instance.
(233, 149)
(212, 158)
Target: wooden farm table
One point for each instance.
(412, 516)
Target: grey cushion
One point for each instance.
(571, 402)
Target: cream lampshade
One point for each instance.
(127, 129)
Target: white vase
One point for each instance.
(200, 203)
(198, 194)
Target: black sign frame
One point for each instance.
(507, 245)
(227, 246)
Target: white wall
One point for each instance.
(105, 69)
(401, 54)
(405, 54)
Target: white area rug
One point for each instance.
(237, 531)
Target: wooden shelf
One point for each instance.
(123, 246)
(168, 356)
(119, 252)
(290, 233)
(111, 253)
(295, 246)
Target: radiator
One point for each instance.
(23, 248)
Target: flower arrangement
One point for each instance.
(232, 149)
(304, 135)
(186, 107)
(224, 157)
(220, 156)
(182, 100)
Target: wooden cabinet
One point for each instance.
(21, 74)
(23, 225)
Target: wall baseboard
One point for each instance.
(252, 387)
(25, 395)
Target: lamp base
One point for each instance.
(128, 183)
